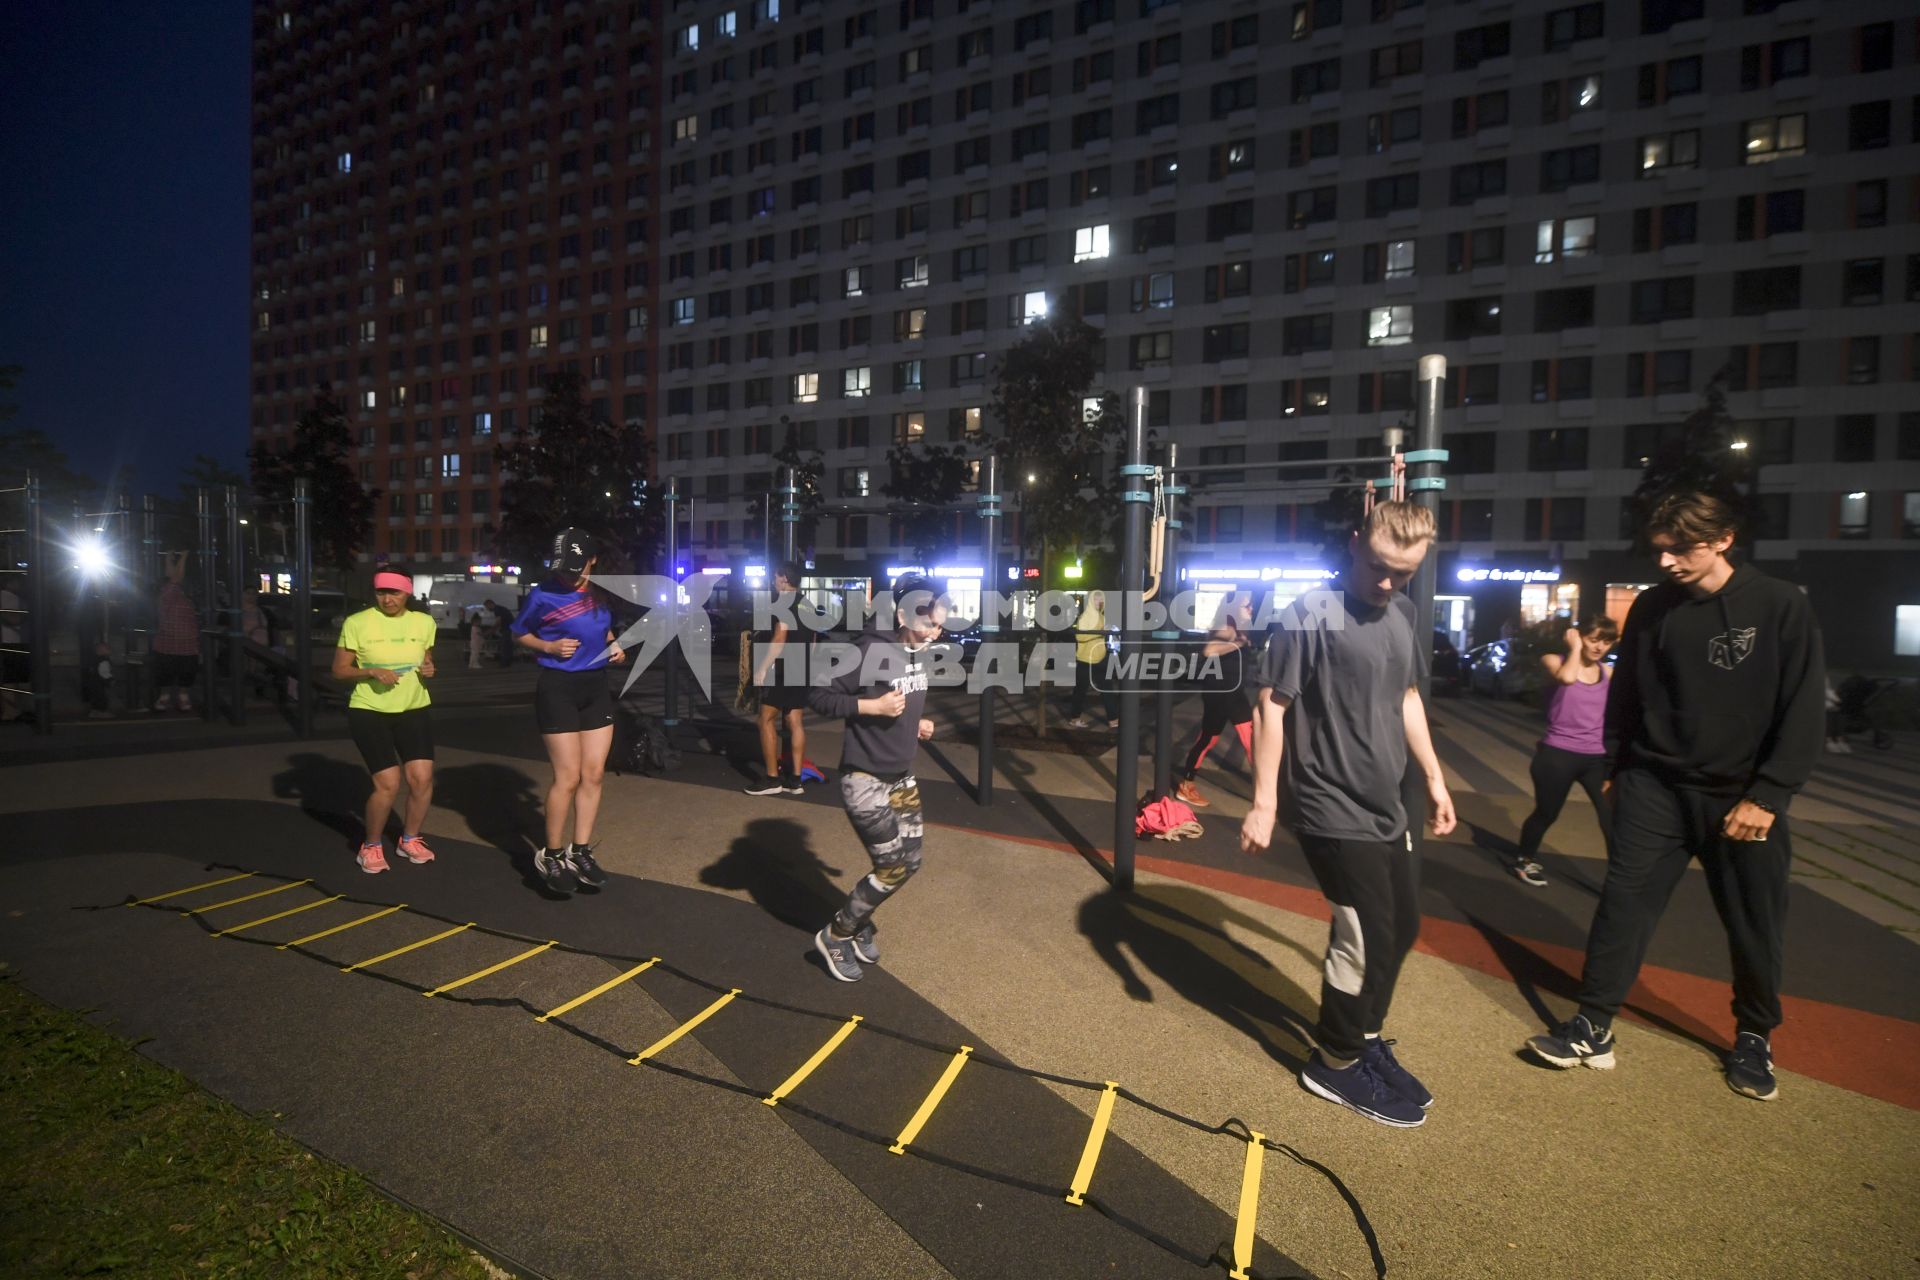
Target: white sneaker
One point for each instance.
(182, 702)
(1839, 747)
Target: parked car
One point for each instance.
(1493, 671)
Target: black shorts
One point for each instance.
(572, 701)
(784, 697)
(388, 739)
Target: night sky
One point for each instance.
(124, 231)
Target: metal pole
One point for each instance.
(989, 618)
(236, 631)
(789, 514)
(139, 699)
(1424, 483)
(39, 643)
(672, 716)
(303, 603)
(1169, 589)
(1138, 497)
(209, 595)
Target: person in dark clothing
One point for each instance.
(1714, 722)
(1339, 715)
(1573, 749)
(780, 675)
(880, 694)
(1224, 706)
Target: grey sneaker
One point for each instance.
(842, 964)
(1750, 1067)
(1575, 1043)
(552, 868)
(866, 945)
(585, 869)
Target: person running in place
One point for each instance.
(881, 700)
(386, 653)
(176, 638)
(1572, 750)
(1089, 652)
(780, 674)
(1714, 723)
(566, 620)
(1224, 706)
(1338, 713)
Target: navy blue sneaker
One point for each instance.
(1750, 1067)
(1379, 1055)
(580, 861)
(1359, 1089)
(1575, 1043)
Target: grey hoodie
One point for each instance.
(880, 745)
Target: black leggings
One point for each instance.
(1555, 770)
(1218, 713)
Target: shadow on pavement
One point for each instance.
(1179, 935)
(331, 792)
(773, 864)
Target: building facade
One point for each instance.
(451, 201)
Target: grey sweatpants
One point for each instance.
(886, 816)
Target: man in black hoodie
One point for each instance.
(880, 696)
(1714, 720)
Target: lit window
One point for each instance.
(1679, 150)
(911, 272)
(854, 283)
(1775, 138)
(856, 383)
(449, 466)
(1399, 259)
(687, 38)
(369, 329)
(1089, 243)
(686, 128)
(1033, 307)
(483, 424)
(683, 311)
(971, 417)
(806, 388)
(1389, 326)
(344, 162)
(766, 11)
(1856, 513)
(1567, 238)
(913, 426)
(727, 25)
(399, 287)
(537, 339)
(1090, 409)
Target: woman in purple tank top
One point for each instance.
(1572, 749)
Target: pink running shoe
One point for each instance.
(372, 857)
(414, 849)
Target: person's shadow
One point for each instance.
(501, 805)
(331, 792)
(1179, 935)
(773, 864)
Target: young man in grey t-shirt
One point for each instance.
(1338, 712)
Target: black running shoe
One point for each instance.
(767, 787)
(552, 868)
(1750, 1067)
(580, 861)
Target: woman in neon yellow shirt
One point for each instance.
(386, 652)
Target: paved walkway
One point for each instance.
(1192, 993)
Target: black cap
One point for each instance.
(571, 550)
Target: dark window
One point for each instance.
(1655, 300)
(1478, 181)
(1384, 195)
(1863, 359)
(1557, 309)
(1481, 111)
(1853, 437)
(1153, 231)
(1478, 44)
(1473, 318)
(1485, 247)
(1657, 16)
(1224, 342)
(1320, 141)
(1234, 218)
(1764, 289)
(1580, 22)
(1313, 205)
(1557, 449)
(1316, 78)
(1873, 46)
(1869, 125)
(1471, 452)
(1870, 203)
(1306, 333)
(1568, 166)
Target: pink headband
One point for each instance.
(393, 582)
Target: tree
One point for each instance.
(572, 469)
(1702, 457)
(176, 517)
(810, 470)
(60, 485)
(923, 483)
(320, 453)
(1057, 452)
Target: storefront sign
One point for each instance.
(1507, 575)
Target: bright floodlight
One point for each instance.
(1739, 445)
(91, 558)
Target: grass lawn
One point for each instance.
(112, 1165)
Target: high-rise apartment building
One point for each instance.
(451, 199)
(1273, 210)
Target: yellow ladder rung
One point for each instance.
(340, 928)
(192, 888)
(1102, 1116)
(792, 1082)
(1249, 1206)
(528, 954)
(245, 897)
(683, 1028)
(932, 1100)
(600, 990)
(411, 946)
(281, 915)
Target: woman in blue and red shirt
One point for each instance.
(566, 621)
